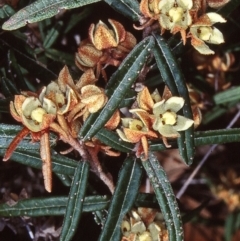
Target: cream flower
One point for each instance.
(144, 224)
(36, 115)
(168, 122)
(202, 31)
(138, 130)
(175, 16)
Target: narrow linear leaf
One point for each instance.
(227, 95)
(8, 88)
(110, 138)
(60, 164)
(218, 111)
(8, 132)
(4, 106)
(206, 138)
(118, 86)
(129, 8)
(217, 136)
(76, 18)
(232, 224)
(53, 206)
(75, 202)
(65, 179)
(146, 200)
(16, 70)
(6, 11)
(42, 9)
(174, 79)
(123, 198)
(25, 55)
(165, 197)
(52, 35)
(60, 56)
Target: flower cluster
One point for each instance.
(58, 107)
(228, 189)
(154, 118)
(104, 46)
(182, 16)
(144, 224)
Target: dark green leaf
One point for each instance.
(65, 179)
(165, 196)
(217, 136)
(76, 18)
(75, 202)
(25, 56)
(232, 224)
(206, 138)
(129, 8)
(6, 11)
(16, 71)
(146, 200)
(8, 132)
(174, 79)
(41, 9)
(60, 164)
(118, 85)
(217, 111)
(110, 138)
(228, 95)
(123, 198)
(60, 56)
(52, 35)
(8, 88)
(52, 206)
(4, 106)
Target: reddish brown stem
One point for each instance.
(95, 164)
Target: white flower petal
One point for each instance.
(165, 22)
(30, 104)
(216, 18)
(203, 49)
(157, 124)
(122, 135)
(159, 108)
(216, 37)
(126, 121)
(49, 106)
(185, 4)
(174, 103)
(183, 123)
(165, 5)
(167, 131)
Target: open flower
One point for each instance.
(175, 16)
(33, 113)
(168, 122)
(61, 92)
(37, 116)
(92, 98)
(138, 130)
(202, 31)
(144, 224)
